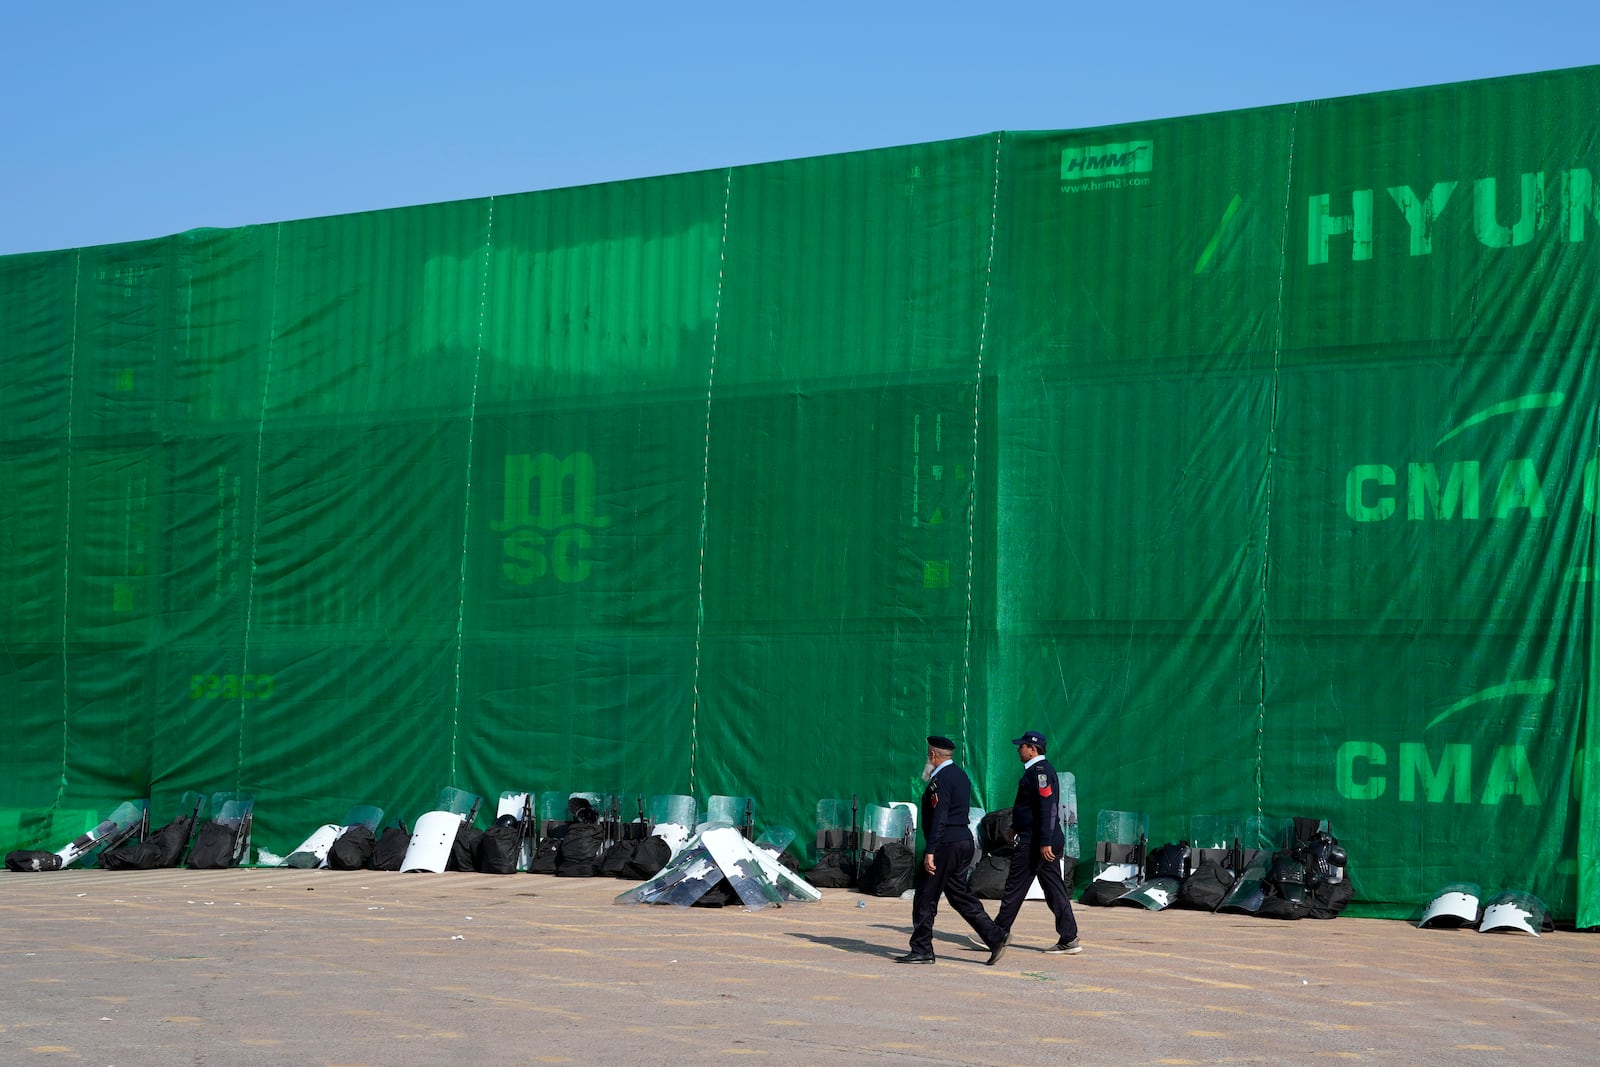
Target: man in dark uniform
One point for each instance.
(1036, 821)
(946, 857)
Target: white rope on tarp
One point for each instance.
(66, 532)
(977, 409)
(705, 489)
(1272, 451)
(466, 495)
(255, 504)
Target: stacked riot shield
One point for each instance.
(717, 854)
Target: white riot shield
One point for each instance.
(1453, 907)
(313, 851)
(1515, 911)
(714, 854)
(1153, 894)
(431, 840)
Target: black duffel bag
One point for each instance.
(891, 871)
(352, 850)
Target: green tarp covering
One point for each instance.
(1251, 457)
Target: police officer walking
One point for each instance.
(1036, 821)
(947, 856)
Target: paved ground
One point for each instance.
(256, 967)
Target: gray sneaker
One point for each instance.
(1065, 948)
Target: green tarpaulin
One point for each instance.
(1251, 457)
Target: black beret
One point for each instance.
(941, 742)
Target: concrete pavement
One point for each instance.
(275, 966)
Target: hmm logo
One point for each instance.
(1090, 163)
(549, 519)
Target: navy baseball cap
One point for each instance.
(1031, 737)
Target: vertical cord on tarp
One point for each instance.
(972, 470)
(66, 534)
(255, 504)
(466, 496)
(1270, 473)
(705, 492)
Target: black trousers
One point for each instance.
(949, 878)
(1026, 865)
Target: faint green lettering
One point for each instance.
(1453, 775)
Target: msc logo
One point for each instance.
(1090, 162)
(1451, 773)
(549, 517)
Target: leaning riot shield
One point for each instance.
(1453, 907)
(1120, 838)
(1249, 889)
(126, 819)
(435, 830)
(1152, 894)
(1212, 839)
(1515, 911)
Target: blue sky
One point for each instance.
(126, 121)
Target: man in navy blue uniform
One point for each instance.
(946, 857)
(1036, 821)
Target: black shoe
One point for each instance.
(999, 950)
(1065, 948)
(915, 957)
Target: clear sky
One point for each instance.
(124, 120)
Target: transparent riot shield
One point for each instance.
(671, 808)
(775, 839)
(836, 825)
(368, 815)
(1452, 908)
(672, 817)
(608, 812)
(458, 802)
(880, 825)
(125, 820)
(1068, 809)
(1515, 911)
(1119, 844)
(600, 802)
(551, 810)
(738, 812)
(1247, 891)
(1213, 838)
(975, 816)
(236, 811)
